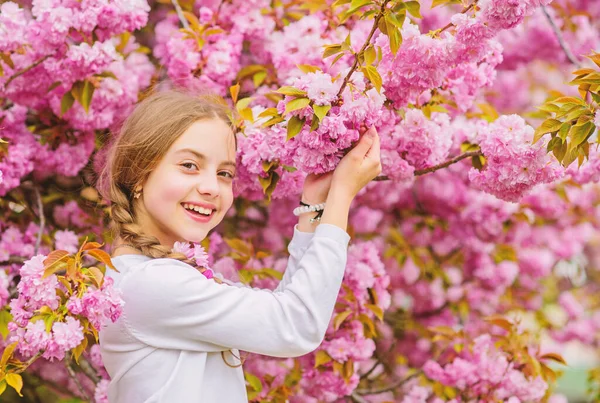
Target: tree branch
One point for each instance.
(88, 370)
(388, 388)
(367, 42)
(434, 168)
(73, 375)
(40, 205)
(180, 15)
(25, 70)
(465, 10)
(560, 38)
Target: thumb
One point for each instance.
(364, 144)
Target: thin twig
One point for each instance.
(88, 370)
(40, 205)
(179, 12)
(388, 388)
(434, 168)
(356, 398)
(560, 38)
(466, 9)
(73, 375)
(366, 374)
(25, 70)
(367, 42)
(216, 15)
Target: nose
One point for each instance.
(208, 185)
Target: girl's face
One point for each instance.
(190, 190)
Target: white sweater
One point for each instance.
(166, 346)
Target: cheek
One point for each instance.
(164, 192)
(226, 197)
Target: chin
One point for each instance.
(195, 236)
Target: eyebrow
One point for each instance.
(201, 156)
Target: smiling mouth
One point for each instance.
(198, 211)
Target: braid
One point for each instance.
(125, 227)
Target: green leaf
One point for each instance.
(254, 382)
(268, 112)
(86, 96)
(321, 110)
(395, 37)
(564, 130)
(321, 357)
(373, 76)
(357, 4)
(549, 107)
(295, 125)
(396, 19)
(291, 91)
(7, 353)
(258, 78)
(15, 381)
(331, 50)
(340, 318)
(376, 310)
(307, 68)
(296, 104)
(414, 8)
(569, 100)
(370, 55)
(243, 103)
(579, 134)
(5, 318)
(53, 86)
(77, 351)
(66, 102)
(570, 156)
(548, 126)
(436, 3)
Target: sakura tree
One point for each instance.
(474, 258)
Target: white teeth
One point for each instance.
(198, 209)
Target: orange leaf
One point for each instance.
(54, 258)
(103, 257)
(554, 357)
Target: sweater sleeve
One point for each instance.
(296, 248)
(170, 305)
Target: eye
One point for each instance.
(189, 166)
(227, 174)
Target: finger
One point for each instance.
(374, 152)
(364, 144)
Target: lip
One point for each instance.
(197, 217)
(205, 205)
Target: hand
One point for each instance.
(361, 165)
(316, 188)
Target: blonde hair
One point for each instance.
(154, 125)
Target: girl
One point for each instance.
(169, 177)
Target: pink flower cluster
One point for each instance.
(423, 142)
(212, 67)
(35, 292)
(98, 305)
(483, 370)
(506, 14)
(514, 165)
(197, 253)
